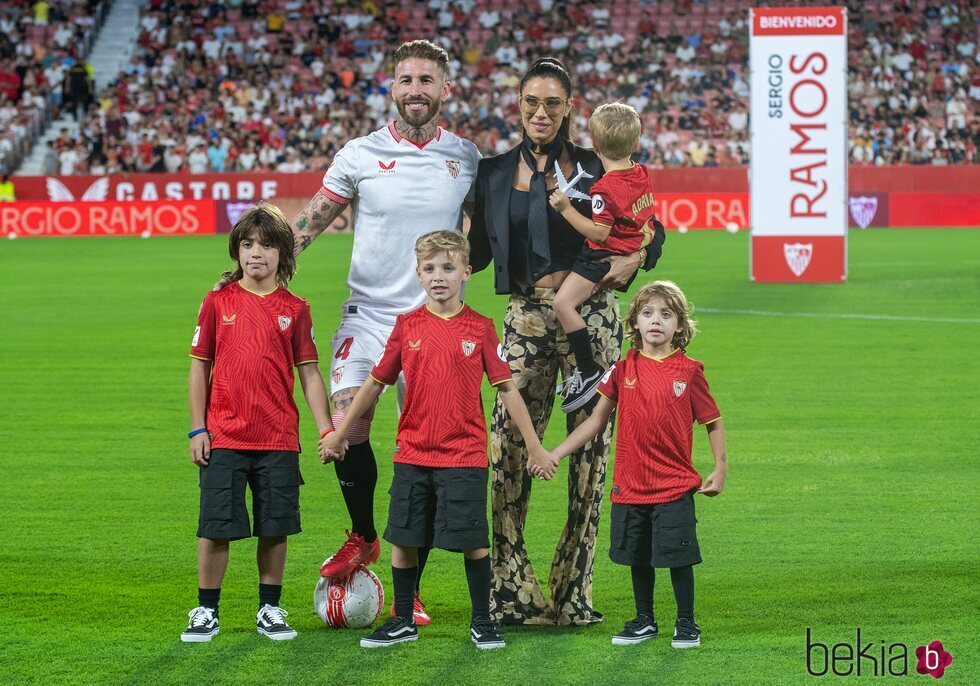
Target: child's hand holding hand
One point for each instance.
(332, 447)
(715, 483)
(559, 201)
(541, 463)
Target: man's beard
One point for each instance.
(421, 118)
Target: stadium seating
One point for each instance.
(282, 100)
(38, 44)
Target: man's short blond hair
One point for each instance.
(615, 129)
(452, 242)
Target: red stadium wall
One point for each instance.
(695, 198)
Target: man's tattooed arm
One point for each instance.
(318, 214)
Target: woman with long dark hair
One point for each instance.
(533, 249)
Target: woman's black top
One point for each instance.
(565, 242)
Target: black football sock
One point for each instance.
(269, 594)
(643, 578)
(404, 582)
(358, 475)
(209, 597)
(682, 578)
(581, 346)
(423, 558)
(478, 580)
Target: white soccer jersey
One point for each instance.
(398, 191)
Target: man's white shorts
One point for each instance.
(355, 348)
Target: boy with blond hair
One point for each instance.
(439, 488)
(658, 392)
(244, 422)
(622, 223)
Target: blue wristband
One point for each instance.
(195, 432)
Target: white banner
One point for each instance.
(798, 176)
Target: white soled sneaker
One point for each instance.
(202, 627)
(270, 622)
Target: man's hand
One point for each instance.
(201, 449)
(621, 268)
(224, 281)
(541, 463)
(559, 201)
(714, 484)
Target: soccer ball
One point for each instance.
(732, 227)
(354, 602)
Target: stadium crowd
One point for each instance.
(242, 85)
(42, 48)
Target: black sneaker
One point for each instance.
(485, 633)
(687, 634)
(578, 389)
(636, 631)
(202, 627)
(397, 630)
(270, 623)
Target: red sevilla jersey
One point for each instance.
(254, 341)
(657, 402)
(444, 360)
(623, 200)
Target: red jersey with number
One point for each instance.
(657, 403)
(623, 201)
(444, 360)
(253, 341)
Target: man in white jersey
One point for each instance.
(404, 180)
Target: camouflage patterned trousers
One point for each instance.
(537, 349)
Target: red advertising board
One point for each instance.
(798, 259)
(151, 187)
(178, 218)
(703, 210)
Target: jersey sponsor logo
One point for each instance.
(414, 345)
(228, 319)
(453, 167)
(630, 383)
(679, 387)
(468, 347)
(500, 353)
(284, 322)
(598, 204)
(386, 168)
(337, 374)
(197, 336)
(798, 256)
(863, 209)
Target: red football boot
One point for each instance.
(418, 611)
(355, 551)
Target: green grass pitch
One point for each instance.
(851, 499)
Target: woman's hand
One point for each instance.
(621, 268)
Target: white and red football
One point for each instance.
(354, 601)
